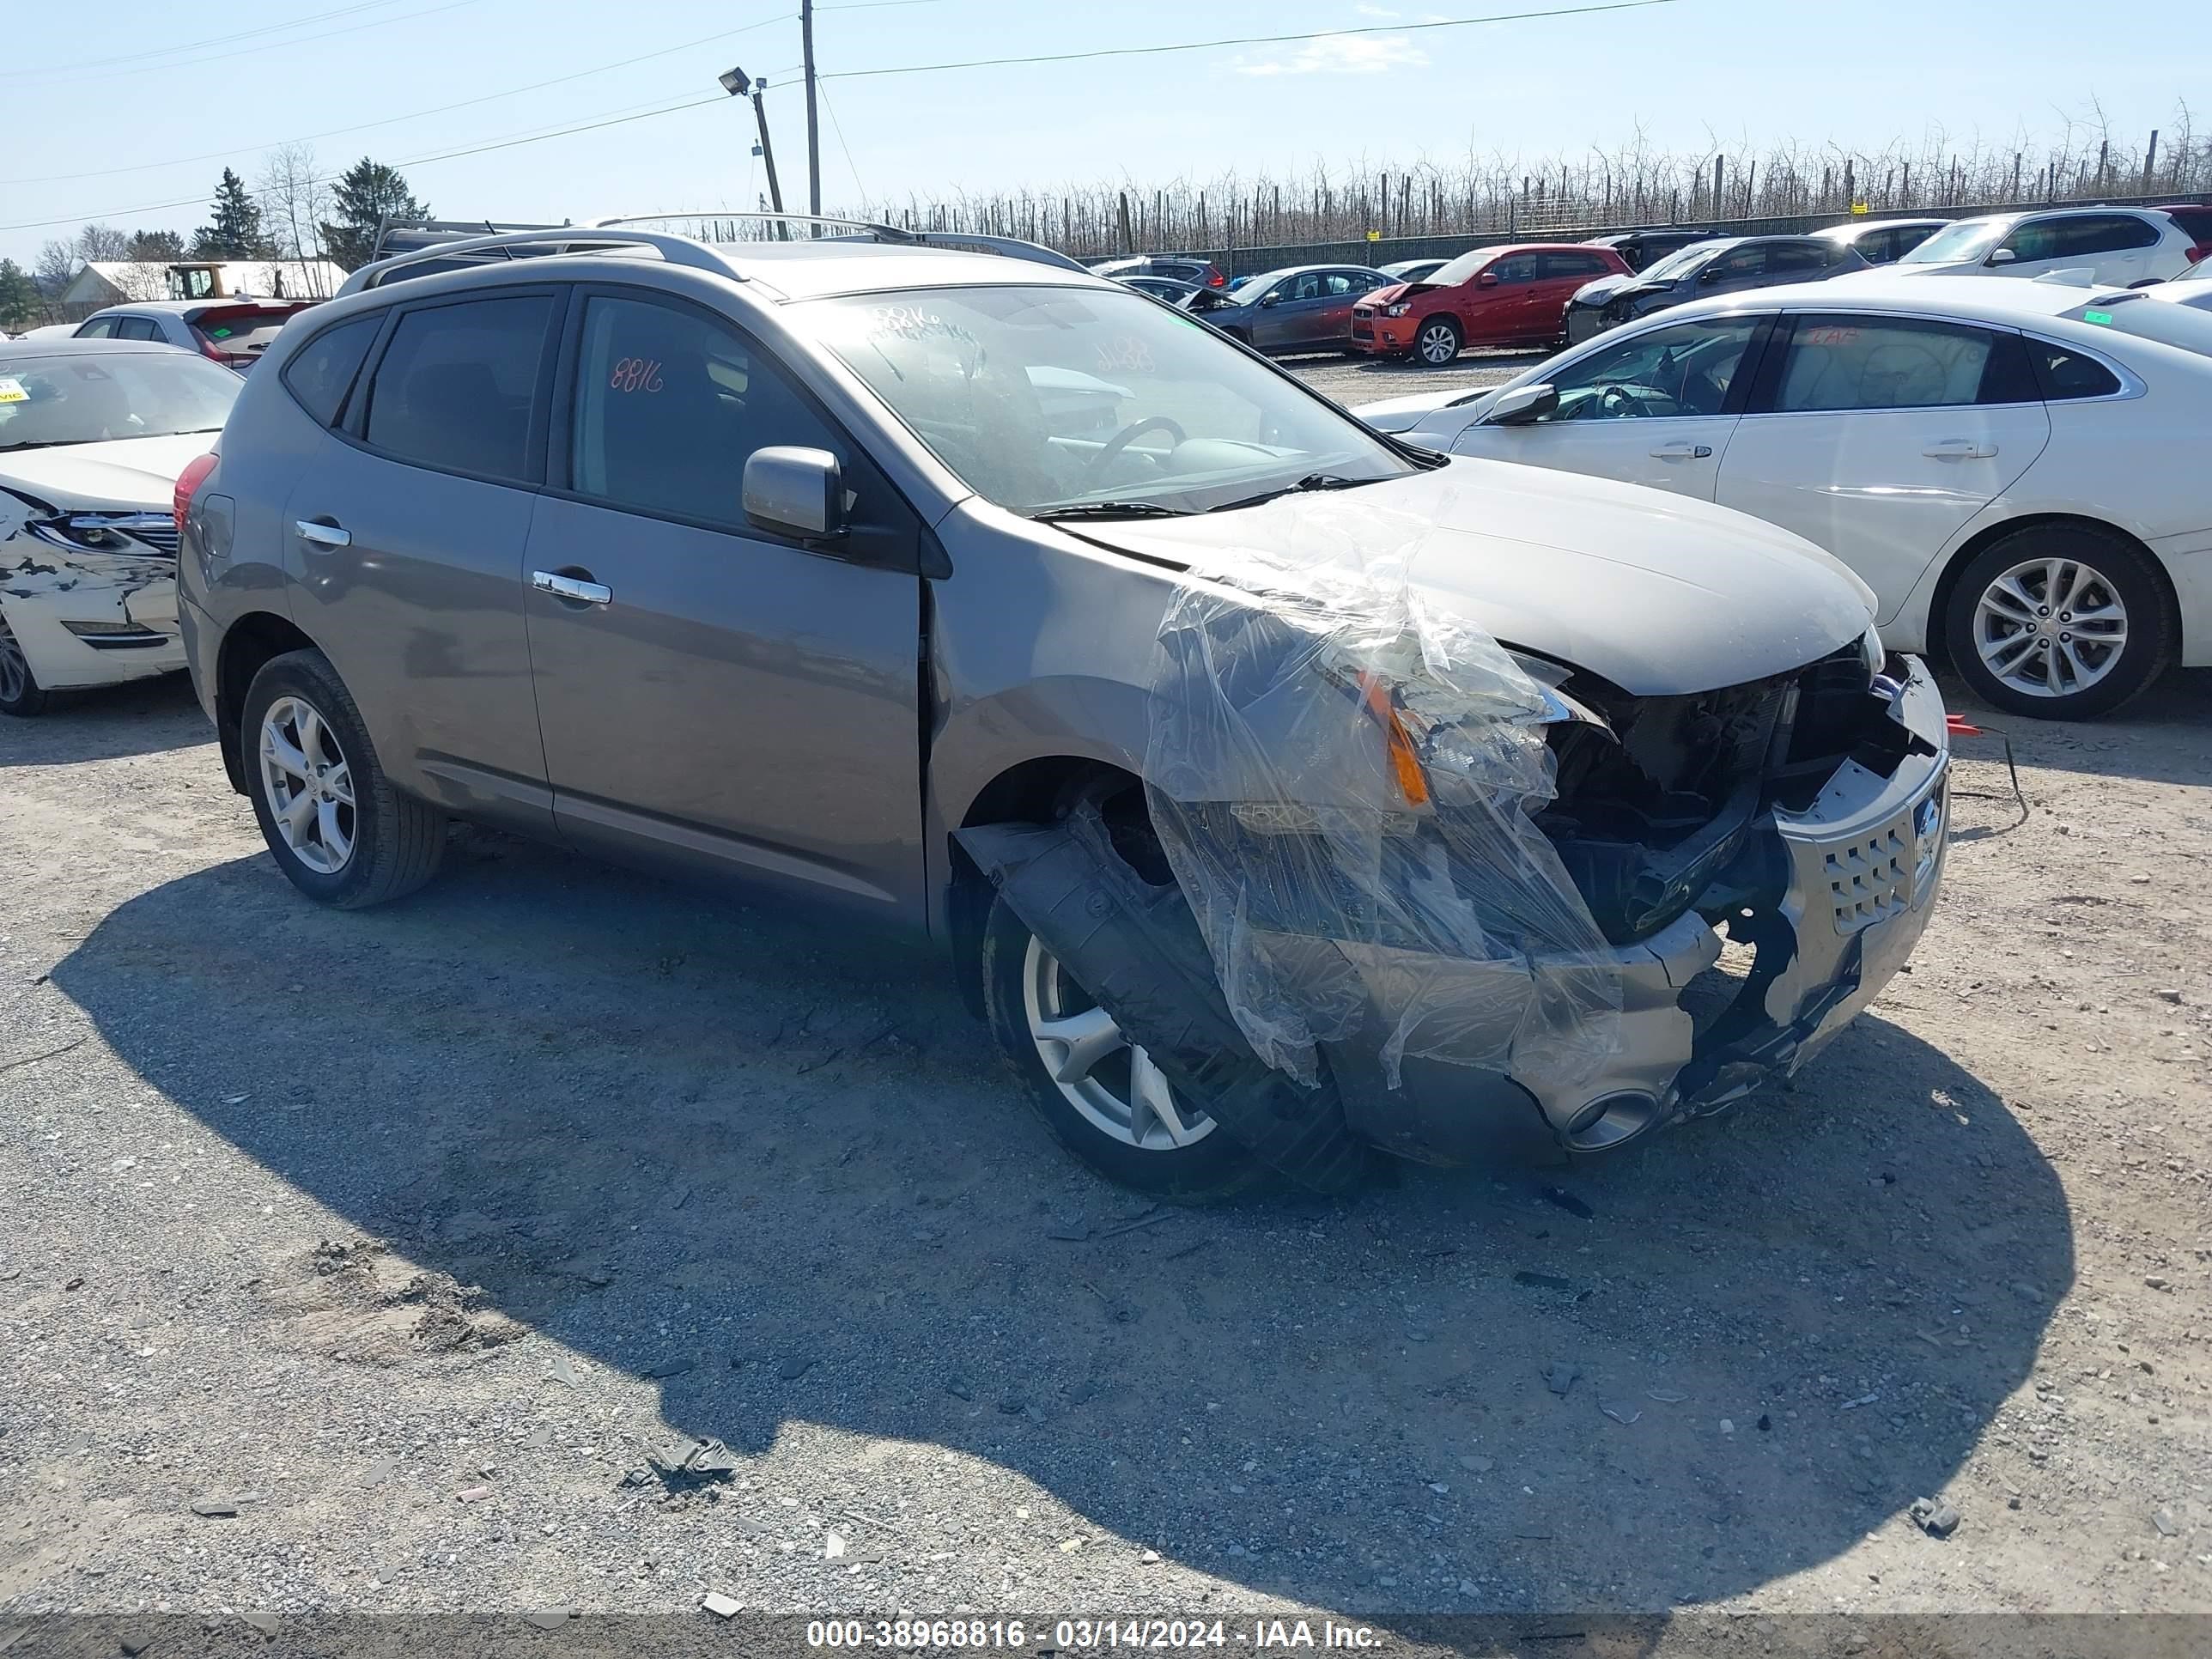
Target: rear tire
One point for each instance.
(21, 694)
(336, 826)
(2063, 591)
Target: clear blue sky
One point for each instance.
(1692, 74)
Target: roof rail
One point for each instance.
(675, 250)
(880, 232)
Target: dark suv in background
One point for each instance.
(1726, 264)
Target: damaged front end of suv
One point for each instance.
(1450, 895)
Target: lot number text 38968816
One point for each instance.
(1092, 1635)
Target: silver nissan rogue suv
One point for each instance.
(1278, 791)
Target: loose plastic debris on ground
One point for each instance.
(1343, 782)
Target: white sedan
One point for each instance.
(93, 435)
(2017, 470)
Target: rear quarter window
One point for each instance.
(321, 372)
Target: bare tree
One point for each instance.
(295, 200)
(102, 242)
(56, 263)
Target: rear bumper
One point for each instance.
(1852, 882)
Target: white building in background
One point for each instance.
(106, 282)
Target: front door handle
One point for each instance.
(1682, 452)
(321, 534)
(570, 587)
(1959, 449)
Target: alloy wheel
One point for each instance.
(1437, 344)
(308, 784)
(2051, 627)
(15, 667)
(1111, 1081)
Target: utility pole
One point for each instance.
(813, 130)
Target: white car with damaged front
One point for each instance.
(92, 436)
(2015, 469)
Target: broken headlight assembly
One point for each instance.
(107, 532)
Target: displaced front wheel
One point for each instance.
(21, 694)
(1104, 1097)
(337, 827)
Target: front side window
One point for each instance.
(1044, 399)
(100, 328)
(104, 395)
(1683, 368)
(1842, 362)
(1516, 268)
(1970, 239)
(137, 328)
(669, 404)
(1743, 262)
(321, 371)
(453, 388)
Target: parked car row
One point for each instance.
(2015, 469)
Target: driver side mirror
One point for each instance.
(1488, 279)
(2003, 256)
(794, 492)
(1523, 406)
(1266, 300)
(1710, 274)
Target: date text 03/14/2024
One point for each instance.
(1091, 1635)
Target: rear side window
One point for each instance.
(2112, 234)
(240, 331)
(1845, 362)
(2063, 374)
(668, 406)
(1572, 265)
(1803, 256)
(321, 371)
(453, 389)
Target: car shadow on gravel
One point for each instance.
(774, 1166)
(2165, 736)
(109, 722)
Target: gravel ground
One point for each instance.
(406, 1234)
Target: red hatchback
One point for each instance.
(1512, 296)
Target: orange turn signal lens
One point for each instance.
(1405, 759)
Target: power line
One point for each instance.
(277, 45)
(212, 40)
(1246, 40)
(838, 127)
(414, 115)
(527, 137)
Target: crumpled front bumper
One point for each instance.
(1857, 875)
(125, 602)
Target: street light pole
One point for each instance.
(813, 131)
(737, 84)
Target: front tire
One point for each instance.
(21, 694)
(1438, 343)
(1102, 1097)
(337, 827)
(2059, 621)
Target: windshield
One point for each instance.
(1674, 265)
(2183, 327)
(1047, 398)
(91, 397)
(1970, 239)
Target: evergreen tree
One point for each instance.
(235, 232)
(368, 194)
(155, 248)
(20, 305)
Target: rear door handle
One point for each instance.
(1682, 452)
(321, 534)
(1959, 449)
(570, 587)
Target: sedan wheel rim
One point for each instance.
(15, 667)
(1438, 345)
(1112, 1081)
(2051, 627)
(308, 784)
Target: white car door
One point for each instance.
(1652, 407)
(1878, 437)
(2116, 246)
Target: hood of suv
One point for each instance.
(1597, 293)
(1382, 296)
(1659, 594)
(123, 473)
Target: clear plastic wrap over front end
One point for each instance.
(1343, 779)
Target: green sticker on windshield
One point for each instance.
(2096, 316)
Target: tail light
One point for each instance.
(189, 480)
(1215, 279)
(2201, 250)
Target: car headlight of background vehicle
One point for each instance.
(1872, 651)
(1397, 310)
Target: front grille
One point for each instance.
(1363, 331)
(1870, 880)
